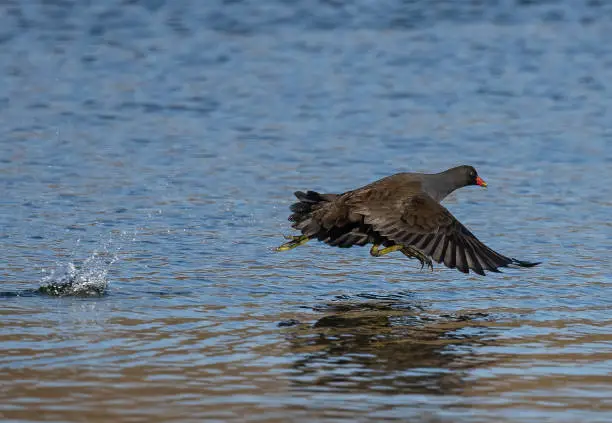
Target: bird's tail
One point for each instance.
(308, 202)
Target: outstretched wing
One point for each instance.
(423, 223)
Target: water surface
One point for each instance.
(156, 145)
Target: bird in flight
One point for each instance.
(401, 212)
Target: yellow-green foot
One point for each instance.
(296, 241)
(409, 252)
(412, 252)
(377, 252)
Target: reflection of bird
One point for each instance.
(385, 346)
(403, 213)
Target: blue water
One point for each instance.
(155, 146)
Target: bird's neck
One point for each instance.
(442, 184)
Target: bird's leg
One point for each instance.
(377, 253)
(412, 252)
(296, 241)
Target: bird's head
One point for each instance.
(470, 176)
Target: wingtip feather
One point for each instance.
(478, 271)
(523, 263)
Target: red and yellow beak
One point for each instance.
(480, 182)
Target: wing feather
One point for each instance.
(423, 223)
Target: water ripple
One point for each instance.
(151, 147)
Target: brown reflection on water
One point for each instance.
(349, 359)
(547, 367)
(380, 347)
(244, 368)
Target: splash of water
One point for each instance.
(88, 279)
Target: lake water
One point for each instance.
(152, 147)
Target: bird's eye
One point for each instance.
(472, 174)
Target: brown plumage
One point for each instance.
(404, 210)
